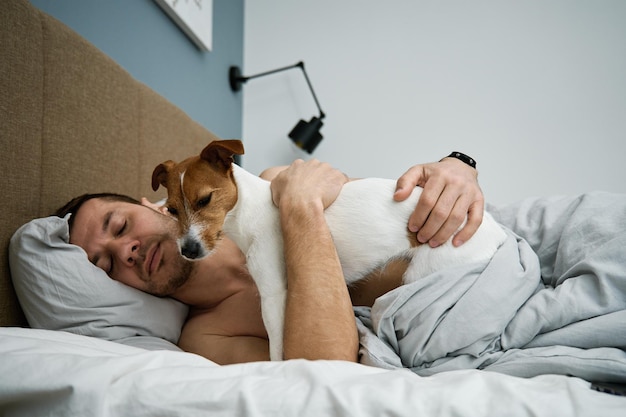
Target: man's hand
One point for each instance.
(451, 193)
(311, 182)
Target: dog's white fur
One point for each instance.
(368, 227)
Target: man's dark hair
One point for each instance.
(76, 203)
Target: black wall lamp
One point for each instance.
(306, 135)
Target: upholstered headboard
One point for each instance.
(72, 121)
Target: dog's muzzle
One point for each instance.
(191, 249)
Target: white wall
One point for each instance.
(535, 90)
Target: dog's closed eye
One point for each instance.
(204, 201)
(172, 211)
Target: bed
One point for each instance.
(73, 122)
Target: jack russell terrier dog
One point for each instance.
(210, 195)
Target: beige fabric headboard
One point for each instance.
(72, 121)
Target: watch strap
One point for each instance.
(464, 158)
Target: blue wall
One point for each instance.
(140, 37)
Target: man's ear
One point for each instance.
(153, 206)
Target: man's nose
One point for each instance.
(127, 251)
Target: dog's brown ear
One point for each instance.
(222, 151)
(160, 174)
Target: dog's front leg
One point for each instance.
(273, 310)
(266, 265)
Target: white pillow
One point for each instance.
(59, 289)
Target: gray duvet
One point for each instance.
(552, 300)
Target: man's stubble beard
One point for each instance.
(180, 274)
(179, 268)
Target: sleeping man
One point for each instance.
(551, 300)
(224, 323)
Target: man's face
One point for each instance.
(133, 244)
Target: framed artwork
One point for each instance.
(194, 17)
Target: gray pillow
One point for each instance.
(59, 289)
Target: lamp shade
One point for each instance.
(306, 135)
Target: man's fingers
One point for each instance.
(438, 203)
(474, 219)
(413, 177)
(447, 217)
(452, 223)
(423, 210)
(450, 194)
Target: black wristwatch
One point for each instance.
(462, 157)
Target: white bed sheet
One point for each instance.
(54, 373)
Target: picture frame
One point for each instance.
(194, 17)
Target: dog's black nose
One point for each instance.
(191, 249)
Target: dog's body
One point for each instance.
(368, 227)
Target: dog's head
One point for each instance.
(201, 190)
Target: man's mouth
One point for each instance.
(153, 258)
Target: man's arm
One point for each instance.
(319, 321)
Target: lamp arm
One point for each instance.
(236, 79)
(262, 74)
(317, 103)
